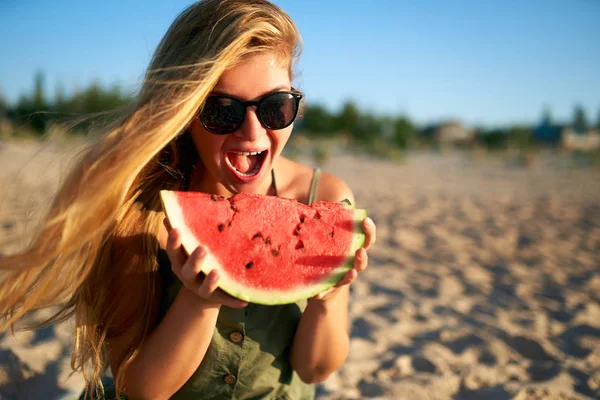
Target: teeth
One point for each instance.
(247, 153)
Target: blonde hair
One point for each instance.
(101, 232)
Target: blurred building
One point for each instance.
(575, 139)
(548, 133)
(450, 134)
(570, 137)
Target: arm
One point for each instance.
(322, 338)
(172, 352)
(322, 342)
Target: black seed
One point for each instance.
(213, 197)
(256, 235)
(268, 240)
(275, 252)
(302, 218)
(331, 234)
(249, 265)
(299, 245)
(221, 227)
(233, 207)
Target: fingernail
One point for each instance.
(369, 221)
(199, 252)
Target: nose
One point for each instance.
(251, 129)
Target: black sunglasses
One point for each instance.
(225, 114)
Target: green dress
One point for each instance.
(248, 357)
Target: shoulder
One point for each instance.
(296, 180)
(332, 188)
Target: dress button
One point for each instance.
(236, 337)
(230, 379)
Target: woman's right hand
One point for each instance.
(189, 272)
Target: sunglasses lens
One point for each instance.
(222, 115)
(278, 110)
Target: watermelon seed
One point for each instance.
(275, 252)
(299, 245)
(268, 240)
(302, 218)
(221, 227)
(233, 207)
(331, 234)
(249, 265)
(256, 235)
(213, 197)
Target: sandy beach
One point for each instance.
(484, 282)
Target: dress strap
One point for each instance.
(312, 195)
(273, 184)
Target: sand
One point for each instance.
(484, 281)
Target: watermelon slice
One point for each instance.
(268, 250)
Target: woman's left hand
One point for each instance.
(360, 260)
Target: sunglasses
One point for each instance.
(222, 115)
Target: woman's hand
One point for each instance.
(189, 272)
(360, 260)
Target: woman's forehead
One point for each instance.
(254, 76)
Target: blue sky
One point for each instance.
(488, 62)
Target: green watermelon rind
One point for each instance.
(258, 296)
(177, 221)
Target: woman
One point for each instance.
(215, 110)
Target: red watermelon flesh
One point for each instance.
(268, 250)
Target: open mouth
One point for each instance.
(246, 164)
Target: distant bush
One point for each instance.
(495, 139)
(521, 137)
(318, 122)
(404, 132)
(36, 113)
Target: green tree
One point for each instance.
(521, 137)
(93, 99)
(318, 121)
(59, 98)
(403, 132)
(368, 129)
(32, 109)
(579, 119)
(39, 101)
(546, 116)
(494, 139)
(3, 106)
(349, 117)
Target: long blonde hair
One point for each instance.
(103, 224)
